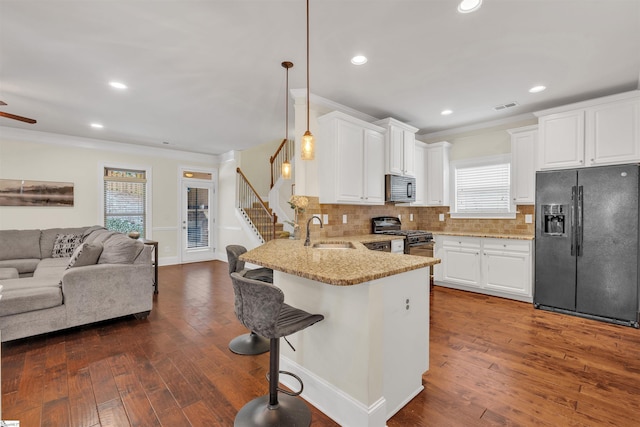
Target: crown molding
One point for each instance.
(301, 94)
(478, 126)
(26, 135)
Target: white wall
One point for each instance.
(43, 156)
(255, 165)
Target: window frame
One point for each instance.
(479, 162)
(148, 193)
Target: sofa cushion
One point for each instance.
(51, 268)
(29, 299)
(120, 249)
(48, 238)
(99, 236)
(85, 254)
(19, 244)
(25, 267)
(65, 244)
(29, 282)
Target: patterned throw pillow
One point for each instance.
(64, 245)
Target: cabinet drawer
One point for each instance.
(461, 242)
(506, 245)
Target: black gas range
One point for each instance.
(415, 240)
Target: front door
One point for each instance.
(197, 221)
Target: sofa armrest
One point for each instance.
(105, 291)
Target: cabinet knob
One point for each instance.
(592, 160)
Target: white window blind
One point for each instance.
(483, 188)
(125, 200)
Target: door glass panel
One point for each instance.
(197, 217)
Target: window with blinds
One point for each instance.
(483, 186)
(125, 200)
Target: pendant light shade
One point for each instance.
(308, 141)
(285, 169)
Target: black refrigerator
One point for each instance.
(586, 245)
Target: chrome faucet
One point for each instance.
(307, 241)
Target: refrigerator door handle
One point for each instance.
(574, 199)
(580, 228)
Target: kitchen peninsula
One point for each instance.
(365, 360)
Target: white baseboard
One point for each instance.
(333, 402)
(490, 292)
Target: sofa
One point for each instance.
(58, 278)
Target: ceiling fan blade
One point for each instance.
(14, 117)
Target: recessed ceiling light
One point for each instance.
(359, 60)
(537, 89)
(96, 125)
(446, 112)
(467, 6)
(118, 85)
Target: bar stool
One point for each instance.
(247, 344)
(260, 307)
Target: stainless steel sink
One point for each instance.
(333, 245)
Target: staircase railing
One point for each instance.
(282, 154)
(255, 209)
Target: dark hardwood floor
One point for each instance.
(493, 362)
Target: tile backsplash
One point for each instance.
(424, 218)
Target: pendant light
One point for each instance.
(307, 152)
(286, 166)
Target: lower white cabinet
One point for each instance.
(501, 267)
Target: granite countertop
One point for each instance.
(340, 267)
(481, 234)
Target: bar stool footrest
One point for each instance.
(287, 392)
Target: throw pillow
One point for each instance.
(85, 254)
(120, 249)
(64, 245)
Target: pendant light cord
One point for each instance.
(307, 65)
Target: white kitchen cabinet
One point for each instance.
(523, 164)
(507, 266)
(421, 178)
(350, 156)
(437, 174)
(400, 143)
(500, 267)
(463, 261)
(613, 133)
(602, 131)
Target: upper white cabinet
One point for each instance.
(437, 174)
(523, 164)
(400, 143)
(421, 178)
(350, 156)
(597, 132)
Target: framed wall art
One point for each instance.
(18, 192)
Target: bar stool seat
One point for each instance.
(260, 307)
(247, 344)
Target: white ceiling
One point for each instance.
(205, 75)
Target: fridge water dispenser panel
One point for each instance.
(553, 220)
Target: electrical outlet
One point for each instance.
(528, 218)
(344, 219)
(406, 303)
(410, 217)
(325, 219)
(441, 217)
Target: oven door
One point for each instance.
(421, 249)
